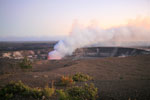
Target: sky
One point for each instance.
(34, 20)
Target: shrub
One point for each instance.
(87, 92)
(14, 89)
(66, 81)
(62, 95)
(81, 77)
(48, 92)
(25, 63)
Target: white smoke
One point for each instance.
(134, 31)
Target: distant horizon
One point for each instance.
(64, 39)
(52, 38)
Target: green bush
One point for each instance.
(25, 63)
(62, 95)
(14, 89)
(48, 92)
(87, 92)
(81, 77)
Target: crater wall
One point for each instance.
(108, 52)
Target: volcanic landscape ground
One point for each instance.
(117, 78)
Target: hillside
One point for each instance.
(116, 78)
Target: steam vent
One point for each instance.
(88, 52)
(108, 52)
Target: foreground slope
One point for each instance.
(116, 78)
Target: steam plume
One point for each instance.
(134, 31)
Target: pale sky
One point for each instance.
(53, 19)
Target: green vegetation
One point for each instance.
(62, 94)
(81, 77)
(15, 89)
(66, 81)
(86, 92)
(48, 92)
(25, 63)
(70, 80)
(121, 78)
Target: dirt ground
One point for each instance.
(124, 78)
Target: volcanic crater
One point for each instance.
(101, 52)
(119, 73)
